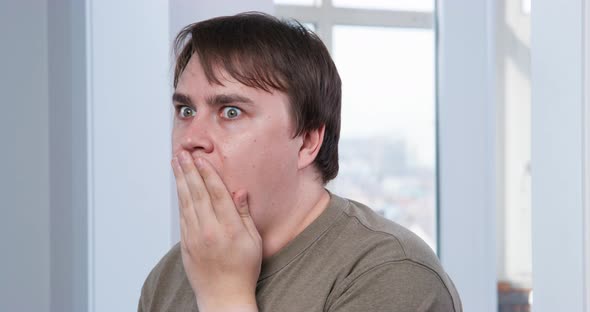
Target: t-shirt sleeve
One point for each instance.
(144, 298)
(397, 287)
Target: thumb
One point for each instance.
(241, 200)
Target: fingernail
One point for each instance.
(175, 162)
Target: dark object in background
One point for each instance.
(513, 299)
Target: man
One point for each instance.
(255, 140)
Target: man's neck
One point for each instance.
(309, 206)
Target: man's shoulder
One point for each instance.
(166, 285)
(373, 228)
(379, 247)
(375, 240)
(171, 263)
(168, 269)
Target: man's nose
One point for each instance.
(197, 136)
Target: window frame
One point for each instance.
(326, 15)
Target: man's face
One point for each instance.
(246, 133)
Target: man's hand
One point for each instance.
(221, 248)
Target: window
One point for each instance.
(514, 248)
(385, 54)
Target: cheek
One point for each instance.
(261, 163)
(240, 162)
(176, 142)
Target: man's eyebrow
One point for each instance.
(182, 99)
(225, 99)
(214, 100)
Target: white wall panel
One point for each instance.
(558, 156)
(128, 142)
(466, 149)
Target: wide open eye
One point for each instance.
(231, 112)
(186, 112)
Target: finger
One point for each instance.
(185, 202)
(223, 204)
(184, 236)
(200, 196)
(243, 208)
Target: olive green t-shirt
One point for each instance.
(349, 259)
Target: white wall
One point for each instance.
(184, 12)
(128, 138)
(24, 157)
(560, 86)
(466, 149)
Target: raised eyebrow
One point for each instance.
(224, 99)
(181, 99)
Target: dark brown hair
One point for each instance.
(261, 51)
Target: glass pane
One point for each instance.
(299, 2)
(514, 197)
(526, 6)
(401, 5)
(387, 145)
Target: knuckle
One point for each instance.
(188, 167)
(200, 192)
(217, 194)
(185, 202)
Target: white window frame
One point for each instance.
(326, 15)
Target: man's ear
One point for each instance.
(310, 147)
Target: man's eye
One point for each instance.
(186, 112)
(231, 112)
